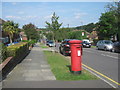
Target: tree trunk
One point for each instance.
(10, 39)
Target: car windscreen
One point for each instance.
(50, 42)
(108, 42)
(85, 42)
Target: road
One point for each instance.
(105, 63)
(102, 61)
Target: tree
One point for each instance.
(107, 25)
(54, 25)
(10, 28)
(77, 35)
(109, 21)
(30, 31)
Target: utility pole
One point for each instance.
(68, 25)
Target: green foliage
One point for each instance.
(32, 42)
(54, 26)
(10, 28)
(30, 31)
(3, 52)
(107, 25)
(95, 41)
(109, 21)
(17, 49)
(49, 35)
(77, 35)
(89, 27)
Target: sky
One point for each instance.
(72, 13)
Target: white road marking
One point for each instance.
(101, 51)
(102, 54)
(109, 56)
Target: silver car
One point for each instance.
(105, 45)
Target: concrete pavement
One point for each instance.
(34, 72)
(33, 68)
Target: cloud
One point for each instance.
(21, 17)
(48, 17)
(13, 17)
(79, 15)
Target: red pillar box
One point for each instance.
(76, 56)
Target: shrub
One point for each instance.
(25, 40)
(3, 52)
(17, 49)
(95, 41)
(32, 42)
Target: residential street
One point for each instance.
(34, 72)
(104, 62)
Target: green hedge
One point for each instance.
(3, 52)
(32, 42)
(17, 49)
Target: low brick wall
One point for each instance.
(8, 65)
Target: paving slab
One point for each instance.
(34, 72)
(57, 84)
(33, 68)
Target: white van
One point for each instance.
(87, 40)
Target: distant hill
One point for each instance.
(89, 27)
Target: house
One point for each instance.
(4, 37)
(23, 36)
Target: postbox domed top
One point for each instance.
(75, 41)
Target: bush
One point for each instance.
(95, 41)
(17, 49)
(3, 52)
(30, 43)
(25, 40)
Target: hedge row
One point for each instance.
(17, 49)
(14, 50)
(3, 50)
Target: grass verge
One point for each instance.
(59, 67)
(43, 45)
(93, 46)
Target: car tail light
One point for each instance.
(67, 45)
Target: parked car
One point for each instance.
(65, 47)
(86, 44)
(116, 47)
(50, 43)
(105, 45)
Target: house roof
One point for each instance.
(1, 21)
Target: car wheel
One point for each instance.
(64, 53)
(113, 50)
(98, 48)
(60, 50)
(105, 48)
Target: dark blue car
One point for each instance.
(116, 47)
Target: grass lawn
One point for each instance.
(59, 67)
(43, 45)
(93, 46)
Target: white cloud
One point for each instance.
(22, 17)
(79, 15)
(13, 17)
(30, 17)
(48, 17)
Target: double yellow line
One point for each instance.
(101, 74)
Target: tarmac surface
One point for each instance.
(35, 72)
